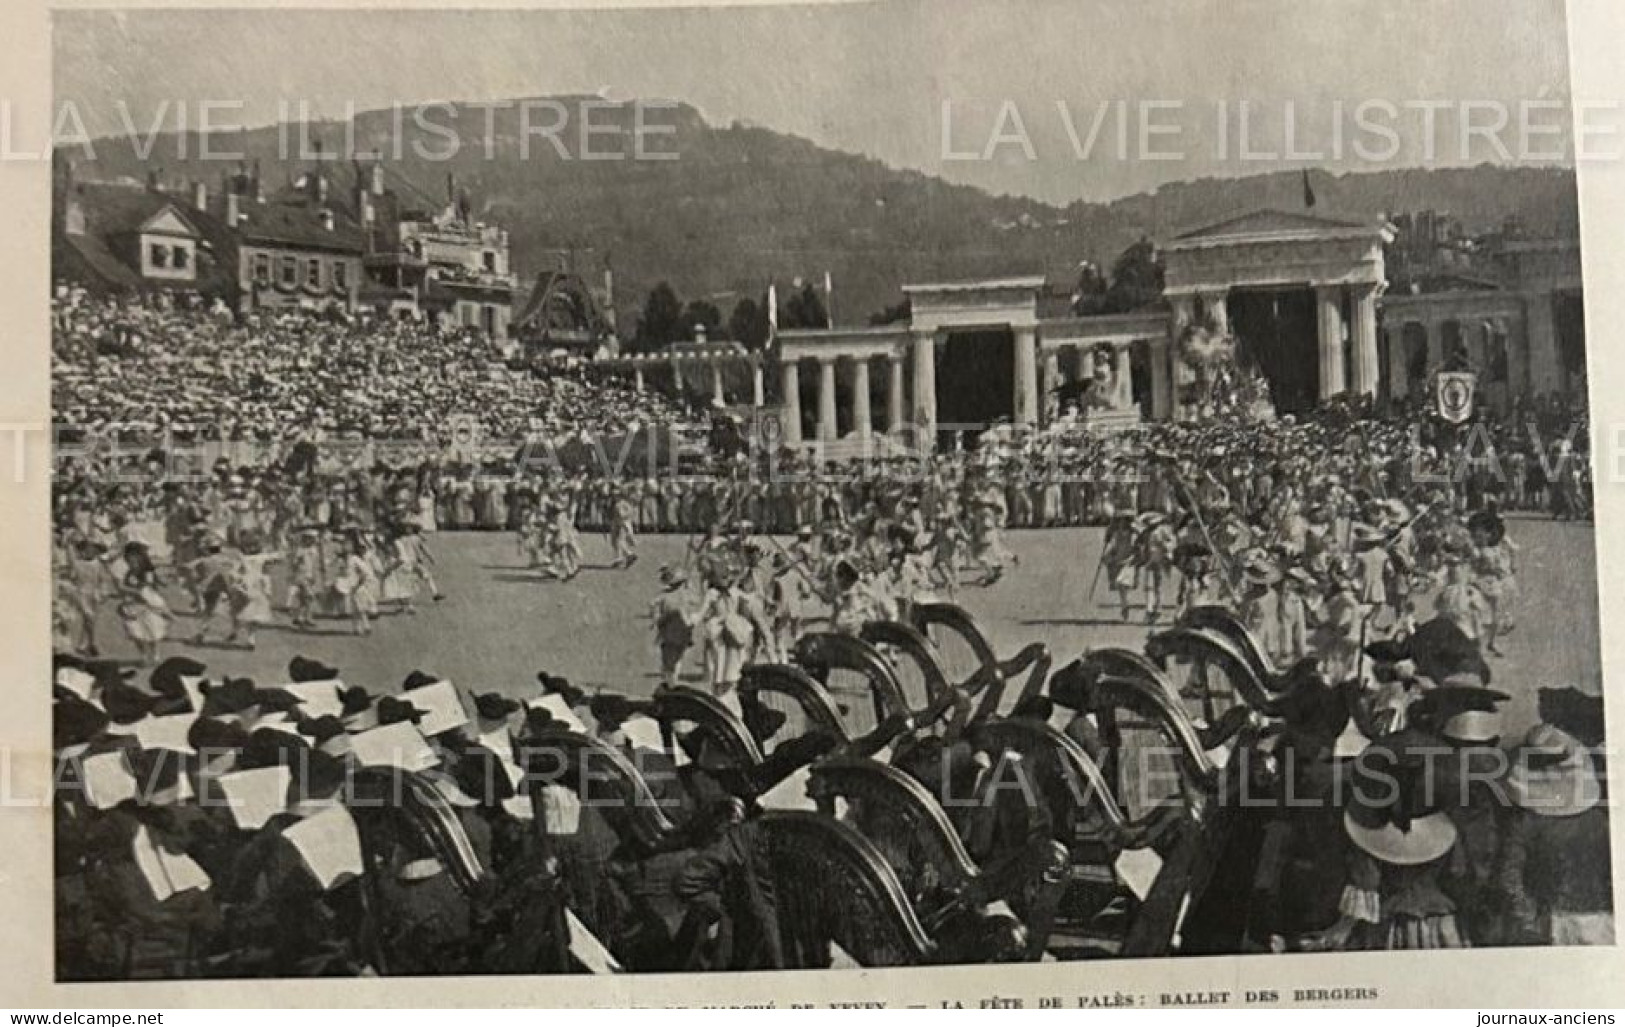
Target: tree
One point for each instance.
(662, 320)
(748, 324)
(702, 314)
(805, 310)
(1089, 296)
(894, 314)
(1136, 279)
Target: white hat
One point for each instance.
(1565, 788)
(1423, 840)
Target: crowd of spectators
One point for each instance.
(157, 365)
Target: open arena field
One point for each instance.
(500, 623)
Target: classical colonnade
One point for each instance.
(844, 360)
(702, 363)
(1361, 335)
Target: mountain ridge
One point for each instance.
(743, 204)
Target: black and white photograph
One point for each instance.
(819, 486)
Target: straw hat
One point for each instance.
(1575, 709)
(1392, 814)
(1461, 711)
(1553, 775)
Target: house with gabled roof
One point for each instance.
(125, 236)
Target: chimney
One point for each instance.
(377, 175)
(327, 218)
(200, 195)
(365, 210)
(451, 188)
(259, 196)
(155, 179)
(609, 296)
(233, 208)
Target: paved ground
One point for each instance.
(500, 623)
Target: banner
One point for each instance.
(1455, 394)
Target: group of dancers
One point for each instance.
(740, 597)
(349, 574)
(1320, 571)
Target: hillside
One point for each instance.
(741, 204)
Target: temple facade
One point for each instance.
(1304, 296)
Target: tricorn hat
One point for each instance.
(302, 669)
(166, 677)
(126, 704)
(610, 709)
(231, 696)
(553, 684)
(216, 735)
(394, 710)
(495, 706)
(75, 722)
(418, 679)
(158, 776)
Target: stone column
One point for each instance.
(1540, 328)
(756, 391)
(1123, 375)
(1329, 302)
(1399, 367)
(717, 392)
(677, 376)
(1218, 311)
(925, 388)
(828, 427)
(1486, 347)
(862, 420)
(1162, 381)
(894, 392)
(1180, 373)
(1363, 337)
(637, 377)
(790, 386)
(1083, 359)
(1501, 348)
(1026, 407)
(1049, 379)
(1517, 344)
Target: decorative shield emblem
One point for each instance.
(1455, 395)
(769, 430)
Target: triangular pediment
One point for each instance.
(1273, 222)
(168, 222)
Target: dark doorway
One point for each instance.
(976, 382)
(1416, 358)
(1570, 325)
(1140, 376)
(807, 398)
(1277, 336)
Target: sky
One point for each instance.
(1055, 99)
